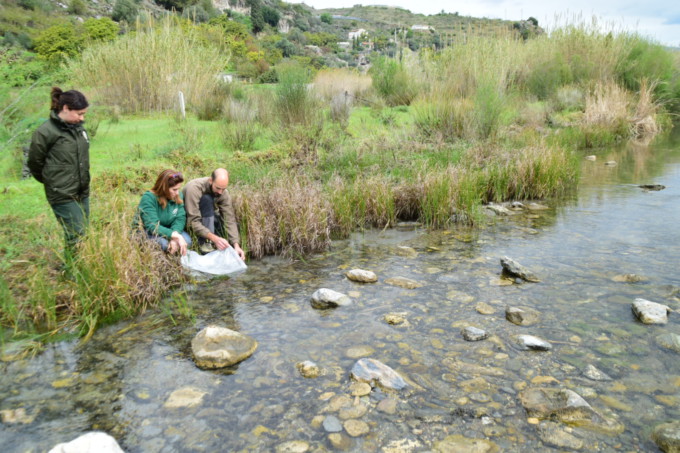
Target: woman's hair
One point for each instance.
(74, 100)
(166, 180)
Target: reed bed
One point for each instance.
(329, 83)
(144, 71)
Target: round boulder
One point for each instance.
(219, 347)
(362, 276)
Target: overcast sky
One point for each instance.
(657, 19)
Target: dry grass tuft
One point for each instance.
(291, 217)
(607, 105)
(331, 82)
(644, 125)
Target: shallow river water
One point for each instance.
(120, 381)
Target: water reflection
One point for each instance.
(121, 380)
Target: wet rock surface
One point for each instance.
(530, 342)
(219, 347)
(522, 316)
(91, 442)
(513, 268)
(374, 372)
(667, 437)
(362, 276)
(649, 312)
(328, 298)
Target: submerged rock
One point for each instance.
(530, 342)
(484, 309)
(552, 433)
(308, 369)
(362, 276)
(396, 319)
(474, 334)
(512, 267)
(629, 278)
(293, 446)
(331, 424)
(568, 407)
(93, 442)
(457, 443)
(185, 397)
(652, 187)
(498, 209)
(327, 298)
(19, 415)
(356, 428)
(667, 437)
(405, 251)
(596, 375)
(522, 316)
(218, 347)
(650, 312)
(374, 372)
(403, 282)
(669, 341)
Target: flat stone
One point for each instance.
(512, 267)
(293, 446)
(339, 441)
(408, 252)
(218, 347)
(537, 207)
(356, 428)
(669, 341)
(374, 372)
(91, 442)
(403, 282)
(650, 312)
(15, 416)
(355, 411)
(359, 389)
(522, 316)
(595, 374)
(629, 278)
(474, 334)
(484, 309)
(362, 276)
(356, 352)
(331, 424)
(328, 298)
(458, 443)
(530, 342)
(554, 434)
(388, 406)
(185, 397)
(498, 209)
(667, 437)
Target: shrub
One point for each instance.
(58, 43)
(125, 11)
(294, 104)
(100, 30)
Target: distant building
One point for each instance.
(422, 28)
(344, 45)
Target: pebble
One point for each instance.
(359, 389)
(387, 406)
(484, 309)
(356, 428)
(331, 424)
(340, 441)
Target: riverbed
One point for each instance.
(583, 248)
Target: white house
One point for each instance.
(421, 28)
(356, 34)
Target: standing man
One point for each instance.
(210, 213)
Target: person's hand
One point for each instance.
(182, 245)
(177, 242)
(173, 246)
(220, 243)
(241, 254)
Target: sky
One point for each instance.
(655, 19)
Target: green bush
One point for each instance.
(125, 11)
(58, 43)
(294, 102)
(392, 82)
(100, 30)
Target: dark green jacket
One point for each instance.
(59, 157)
(157, 220)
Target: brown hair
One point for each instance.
(73, 99)
(166, 180)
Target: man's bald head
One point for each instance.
(219, 180)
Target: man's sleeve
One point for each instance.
(192, 196)
(229, 218)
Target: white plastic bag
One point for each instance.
(219, 262)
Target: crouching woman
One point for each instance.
(161, 214)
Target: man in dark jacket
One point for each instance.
(59, 157)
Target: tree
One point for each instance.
(125, 11)
(100, 30)
(271, 15)
(77, 7)
(326, 18)
(256, 15)
(57, 43)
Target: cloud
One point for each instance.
(675, 20)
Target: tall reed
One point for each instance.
(145, 70)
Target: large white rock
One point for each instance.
(650, 312)
(218, 347)
(94, 442)
(185, 397)
(328, 298)
(373, 372)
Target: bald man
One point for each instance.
(210, 213)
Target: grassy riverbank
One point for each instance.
(423, 139)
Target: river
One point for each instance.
(120, 381)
